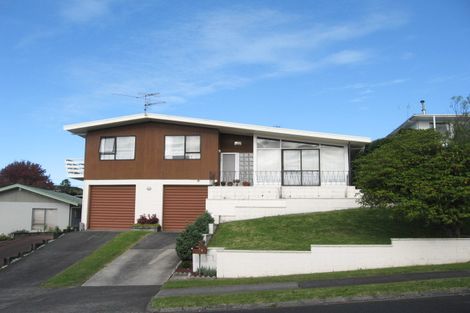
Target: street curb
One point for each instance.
(300, 303)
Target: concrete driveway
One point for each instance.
(150, 262)
(20, 289)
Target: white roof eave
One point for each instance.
(82, 128)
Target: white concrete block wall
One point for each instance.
(18, 215)
(329, 258)
(234, 210)
(149, 193)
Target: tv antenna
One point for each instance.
(148, 97)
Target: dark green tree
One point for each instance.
(420, 176)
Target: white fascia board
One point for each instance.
(82, 128)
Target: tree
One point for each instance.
(461, 126)
(419, 178)
(26, 173)
(66, 187)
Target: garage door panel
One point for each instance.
(111, 207)
(182, 205)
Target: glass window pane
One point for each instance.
(332, 159)
(107, 145)
(268, 143)
(310, 178)
(39, 219)
(269, 160)
(51, 218)
(298, 145)
(291, 160)
(174, 147)
(310, 160)
(125, 148)
(107, 156)
(193, 144)
(292, 178)
(193, 156)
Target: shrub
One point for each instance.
(4, 237)
(192, 235)
(148, 219)
(206, 272)
(202, 223)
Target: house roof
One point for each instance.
(425, 117)
(225, 127)
(59, 196)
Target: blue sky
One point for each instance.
(351, 67)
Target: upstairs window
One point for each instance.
(182, 147)
(117, 148)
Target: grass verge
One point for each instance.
(204, 282)
(268, 297)
(299, 231)
(81, 271)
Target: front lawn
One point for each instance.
(204, 282)
(299, 231)
(78, 273)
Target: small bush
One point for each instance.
(186, 240)
(207, 272)
(192, 235)
(202, 223)
(148, 219)
(4, 237)
(186, 264)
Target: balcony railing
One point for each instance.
(285, 178)
(75, 168)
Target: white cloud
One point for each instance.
(223, 50)
(81, 11)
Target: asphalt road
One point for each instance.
(446, 304)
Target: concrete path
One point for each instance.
(311, 284)
(151, 262)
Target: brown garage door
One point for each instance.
(111, 207)
(182, 205)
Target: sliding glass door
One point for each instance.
(300, 167)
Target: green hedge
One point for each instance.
(192, 235)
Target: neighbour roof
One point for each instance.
(59, 196)
(425, 117)
(225, 127)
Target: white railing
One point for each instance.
(75, 168)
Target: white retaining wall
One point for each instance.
(242, 203)
(331, 258)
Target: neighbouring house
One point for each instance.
(440, 122)
(36, 209)
(178, 167)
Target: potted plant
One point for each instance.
(222, 183)
(230, 183)
(246, 183)
(236, 182)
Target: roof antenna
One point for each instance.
(423, 107)
(147, 99)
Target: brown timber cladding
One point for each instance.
(111, 207)
(182, 205)
(149, 162)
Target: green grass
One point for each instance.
(298, 232)
(374, 290)
(81, 271)
(204, 282)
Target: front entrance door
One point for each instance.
(229, 167)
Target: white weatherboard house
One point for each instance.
(179, 167)
(36, 209)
